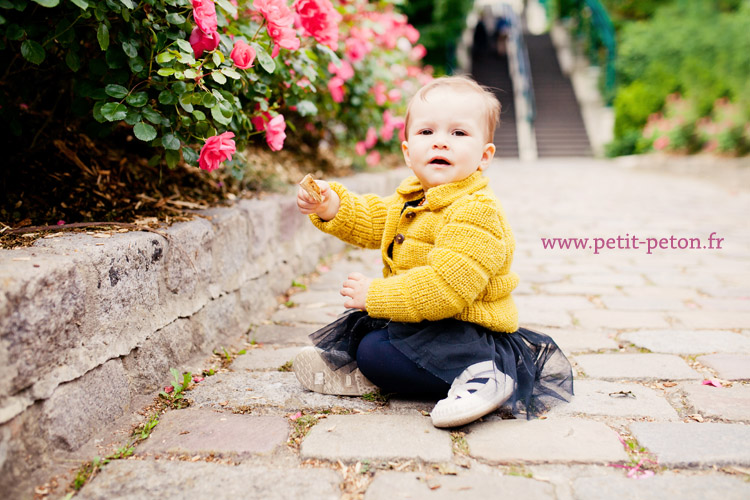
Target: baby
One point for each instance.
(441, 323)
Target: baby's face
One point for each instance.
(447, 137)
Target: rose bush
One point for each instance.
(187, 76)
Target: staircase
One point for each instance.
(491, 70)
(559, 126)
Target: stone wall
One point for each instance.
(89, 324)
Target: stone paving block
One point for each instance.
(611, 279)
(318, 298)
(575, 289)
(549, 440)
(282, 334)
(596, 397)
(579, 340)
(662, 487)
(728, 366)
(139, 479)
(264, 358)
(469, 486)
(545, 318)
(722, 320)
(679, 293)
(304, 315)
(535, 303)
(377, 437)
(682, 341)
(635, 367)
(602, 318)
(276, 392)
(620, 303)
(727, 403)
(695, 445)
(724, 304)
(198, 431)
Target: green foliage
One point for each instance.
(99, 66)
(693, 48)
(441, 23)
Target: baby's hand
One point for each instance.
(356, 288)
(326, 209)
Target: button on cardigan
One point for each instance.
(453, 258)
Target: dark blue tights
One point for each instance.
(389, 369)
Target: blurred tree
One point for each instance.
(440, 23)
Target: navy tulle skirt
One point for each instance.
(447, 347)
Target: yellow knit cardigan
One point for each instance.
(450, 256)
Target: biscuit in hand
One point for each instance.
(311, 187)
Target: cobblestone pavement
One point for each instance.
(645, 331)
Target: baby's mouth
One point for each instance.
(439, 161)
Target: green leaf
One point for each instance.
(102, 34)
(144, 131)
(137, 100)
(173, 158)
(132, 117)
(14, 32)
(32, 51)
(151, 115)
(307, 108)
(219, 78)
(190, 156)
(179, 88)
(264, 59)
(73, 61)
(164, 57)
(169, 141)
(199, 115)
(128, 3)
(114, 111)
(116, 91)
(81, 3)
(191, 73)
(217, 57)
(166, 71)
(186, 106)
(230, 73)
(175, 18)
(48, 3)
(209, 100)
(167, 97)
(136, 64)
(334, 57)
(227, 7)
(217, 115)
(186, 58)
(98, 112)
(130, 48)
(185, 46)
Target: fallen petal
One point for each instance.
(714, 382)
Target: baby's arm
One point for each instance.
(326, 209)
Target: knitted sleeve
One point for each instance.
(468, 251)
(360, 219)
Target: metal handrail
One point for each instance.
(518, 61)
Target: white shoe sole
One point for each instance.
(456, 412)
(315, 375)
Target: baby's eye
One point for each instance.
(425, 132)
(460, 133)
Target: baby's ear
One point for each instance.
(405, 150)
(488, 152)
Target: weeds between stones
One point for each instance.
(286, 367)
(377, 397)
(640, 464)
(459, 443)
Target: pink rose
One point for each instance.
(275, 133)
(200, 41)
(279, 20)
(345, 71)
(356, 49)
(379, 90)
(373, 158)
(204, 13)
(394, 95)
(360, 148)
(216, 150)
(283, 37)
(371, 138)
(411, 33)
(418, 52)
(336, 88)
(242, 54)
(259, 121)
(661, 143)
(320, 19)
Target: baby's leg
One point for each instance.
(392, 371)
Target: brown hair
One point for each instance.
(491, 108)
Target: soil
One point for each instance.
(77, 184)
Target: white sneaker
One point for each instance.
(479, 390)
(314, 374)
